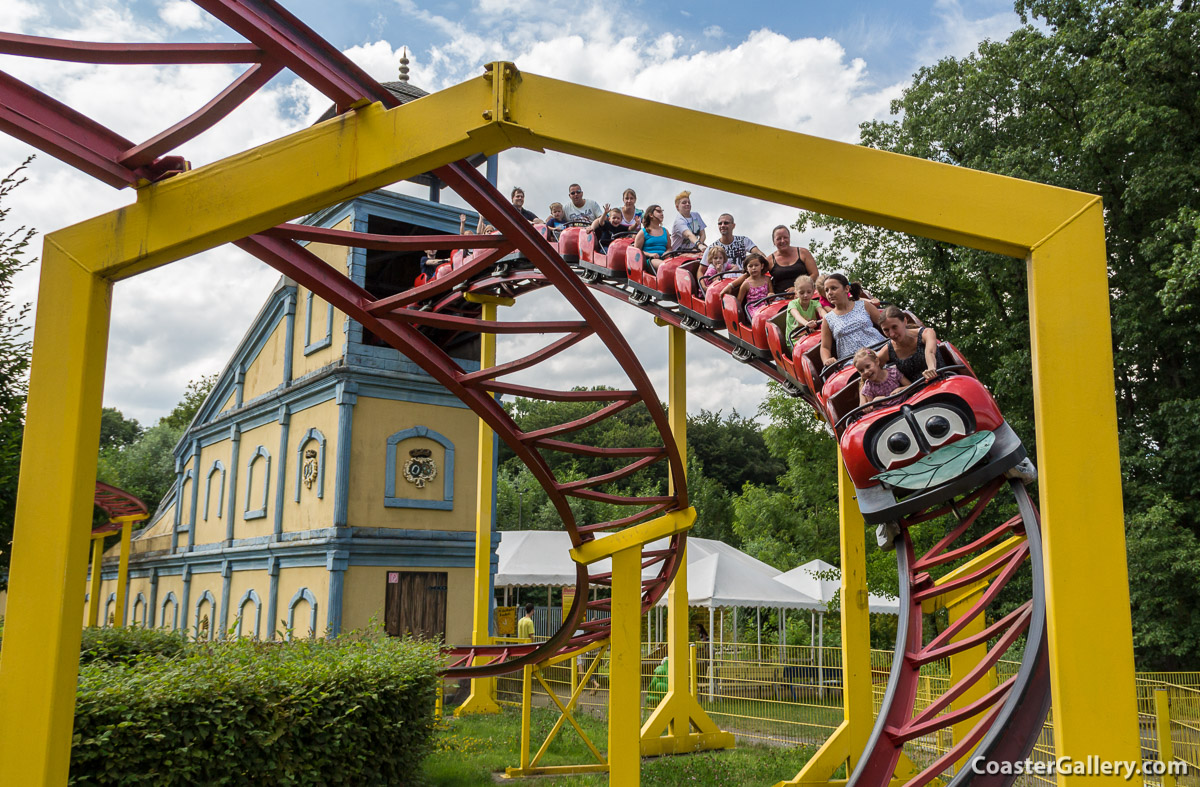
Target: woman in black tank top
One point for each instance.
(788, 262)
(913, 350)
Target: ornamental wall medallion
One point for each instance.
(310, 468)
(420, 469)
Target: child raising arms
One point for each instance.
(804, 311)
(877, 382)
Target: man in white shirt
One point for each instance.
(579, 209)
(687, 233)
(736, 246)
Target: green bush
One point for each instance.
(126, 645)
(346, 711)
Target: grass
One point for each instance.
(471, 750)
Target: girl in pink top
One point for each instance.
(877, 382)
(753, 288)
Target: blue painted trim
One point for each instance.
(153, 596)
(187, 593)
(178, 523)
(226, 582)
(285, 421)
(312, 434)
(347, 396)
(174, 602)
(111, 601)
(248, 349)
(235, 438)
(239, 384)
(250, 595)
(140, 599)
(303, 594)
(257, 513)
(195, 473)
(272, 596)
(289, 337)
(330, 216)
(212, 619)
(321, 343)
(336, 563)
(390, 498)
(216, 466)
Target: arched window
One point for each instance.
(206, 616)
(250, 597)
(260, 463)
(171, 603)
(139, 610)
(217, 467)
(303, 596)
(110, 605)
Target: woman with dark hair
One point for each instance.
(788, 262)
(653, 239)
(913, 350)
(850, 325)
(631, 217)
(518, 201)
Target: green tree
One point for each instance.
(145, 465)
(15, 354)
(1097, 96)
(197, 391)
(116, 430)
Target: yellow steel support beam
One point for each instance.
(123, 570)
(40, 660)
(483, 690)
(962, 663)
(625, 668)
(669, 728)
(93, 604)
(1074, 403)
(664, 526)
(850, 739)
(952, 204)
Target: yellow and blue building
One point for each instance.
(326, 481)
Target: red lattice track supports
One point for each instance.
(395, 320)
(1008, 714)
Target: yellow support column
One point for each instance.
(1083, 536)
(123, 568)
(93, 605)
(850, 738)
(669, 728)
(625, 669)
(483, 690)
(962, 663)
(40, 661)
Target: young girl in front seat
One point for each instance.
(877, 382)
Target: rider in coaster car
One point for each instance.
(580, 210)
(654, 239)
(736, 246)
(687, 231)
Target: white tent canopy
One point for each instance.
(718, 575)
(805, 579)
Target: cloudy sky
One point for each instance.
(817, 67)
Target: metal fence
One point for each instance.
(789, 694)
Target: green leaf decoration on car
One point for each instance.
(944, 464)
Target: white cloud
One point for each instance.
(958, 35)
(184, 15)
(713, 31)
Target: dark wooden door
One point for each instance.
(416, 603)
